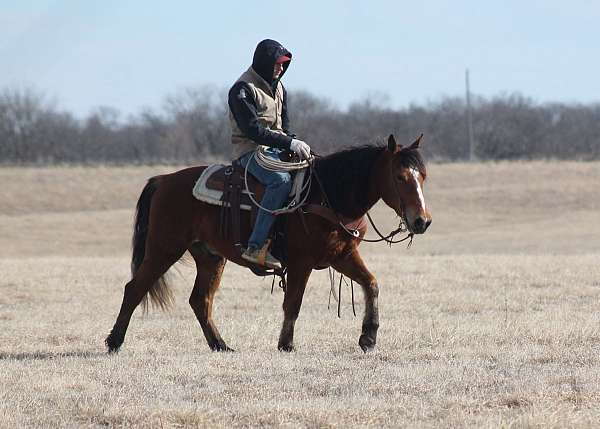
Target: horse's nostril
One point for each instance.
(428, 223)
(419, 224)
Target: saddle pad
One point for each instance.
(212, 196)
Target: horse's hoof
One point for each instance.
(221, 348)
(366, 343)
(286, 348)
(367, 349)
(112, 345)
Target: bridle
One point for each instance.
(389, 238)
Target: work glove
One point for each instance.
(300, 148)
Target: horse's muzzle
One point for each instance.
(421, 225)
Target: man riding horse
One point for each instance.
(171, 221)
(259, 116)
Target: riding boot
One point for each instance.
(261, 256)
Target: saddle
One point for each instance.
(213, 186)
(225, 186)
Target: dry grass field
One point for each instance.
(491, 319)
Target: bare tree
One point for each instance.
(193, 126)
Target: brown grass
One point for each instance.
(490, 320)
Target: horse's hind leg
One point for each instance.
(149, 272)
(208, 278)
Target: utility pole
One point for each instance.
(469, 119)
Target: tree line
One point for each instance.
(192, 126)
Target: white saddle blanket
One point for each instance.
(213, 196)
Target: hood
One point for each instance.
(265, 55)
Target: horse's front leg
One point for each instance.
(296, 283)
(354, 267)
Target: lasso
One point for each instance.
(276, 165)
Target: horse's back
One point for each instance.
(182, 180)
(186, 174)
(178, 185)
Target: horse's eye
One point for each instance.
(400, 178)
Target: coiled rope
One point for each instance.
(275, 164)
(271, 164)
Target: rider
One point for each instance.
(258, 115)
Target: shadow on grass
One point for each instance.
(49, 355)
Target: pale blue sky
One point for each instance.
(130, 54)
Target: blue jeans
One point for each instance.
(277, 188)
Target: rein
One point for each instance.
(389, 238)
(338, 298)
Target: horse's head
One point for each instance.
(402, 184)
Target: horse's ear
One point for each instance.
(417, 142)
(392, 145)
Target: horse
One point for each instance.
(169, 221)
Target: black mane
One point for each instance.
(346, 175)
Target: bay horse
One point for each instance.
(170, 221)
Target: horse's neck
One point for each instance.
(361, 211)
(379, 168)
(373, 192)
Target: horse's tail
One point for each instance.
(159, 292)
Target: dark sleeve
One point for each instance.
(243, 108)
(285, 119)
